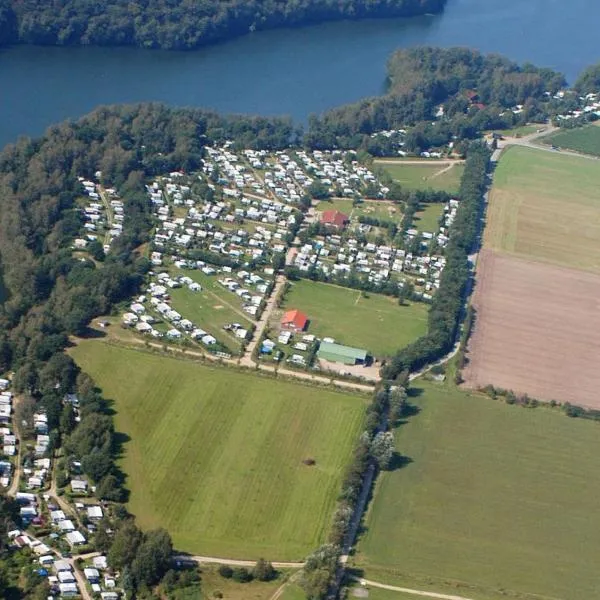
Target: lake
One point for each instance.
(284, 72)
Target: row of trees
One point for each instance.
(446, 308)
(375, 450)
(178, 24)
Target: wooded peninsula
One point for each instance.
(179, 24)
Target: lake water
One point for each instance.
(294, 72)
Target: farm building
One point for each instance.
(334, 218)
(342, 354)
(294, 320)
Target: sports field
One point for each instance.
(216, 456)
(371, 321)
(429, 174)
(546, 206)
(584, 139)
(498, 501)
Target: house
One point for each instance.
(334, 219)
(294, 320)
(94, 513)
(68, 590)
(92, 575)
(342, 354)
(75, 538)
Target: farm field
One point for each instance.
(374, 322)
(429, 175)
(536, 330)
(585, 139)
(497, 501)
(216, 456)
(546, 207)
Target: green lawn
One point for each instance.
(428, 219)
(496, 497)
(209, 313)
(215, 456)
(584, 139)
(546, 206)
(375, 322)
(428, 175)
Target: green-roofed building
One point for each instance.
(342, 354)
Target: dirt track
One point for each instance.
(536, 330)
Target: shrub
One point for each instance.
(226, 571)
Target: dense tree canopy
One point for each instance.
(475, 90)
(178, 24)
(589, 81)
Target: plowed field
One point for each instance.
(537, 330)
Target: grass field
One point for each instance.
(428, 218)
(521, 131)
(212, 582)
(215, 456)
(584, 139)
(375, 322)
(546, 206)
(428, 175)
(496, 497)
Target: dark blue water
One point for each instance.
(293, 72)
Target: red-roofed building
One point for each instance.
(334, 218)
(294, 320)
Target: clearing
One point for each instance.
(443, 175)
(546, 207)
(584, 139)
(428, 218)
(536, 330)
(365, 320)
(215, 456)
(497, 501)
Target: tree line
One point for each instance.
(178, 24)
(447, 304)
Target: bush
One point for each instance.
(242, 575)
(226, 571)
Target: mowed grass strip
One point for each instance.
(215, 456)
(584, 139)
(428, 175)
(372, 321)
(496, 497)
(546, 206)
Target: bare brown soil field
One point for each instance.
(536, 330)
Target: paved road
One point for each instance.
(393, 588)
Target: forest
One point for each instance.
(178, 24)
(477, 92)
